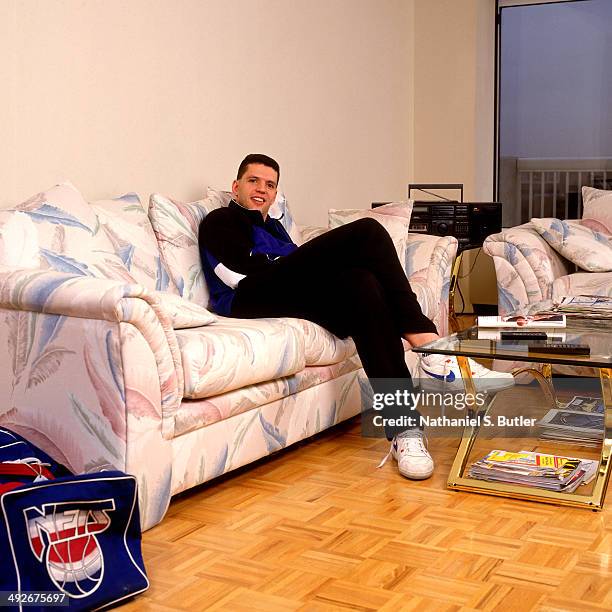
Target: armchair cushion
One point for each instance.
(590, 250)
(597, 209)
(583, 283)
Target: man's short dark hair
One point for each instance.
(258, 158)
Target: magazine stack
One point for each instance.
(552, 472)
(580, 421)
(584, 309)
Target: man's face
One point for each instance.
(256, 189)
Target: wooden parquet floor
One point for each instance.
(318, 528)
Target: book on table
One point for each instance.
(544, 320)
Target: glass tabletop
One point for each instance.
(487, 343)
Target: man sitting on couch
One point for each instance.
(348, 280)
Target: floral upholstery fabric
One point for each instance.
(58, 230)
(233, 353)
(124, 226)
(525, 265)
(530, 271)
(321, 347)
(597, 209)
(208, 452)
(588, 249)
(55, 230)
(194, 414)
(183, 314)
(88, 375)
(176, 226)
(582, 283)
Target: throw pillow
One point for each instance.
(176, 226)
(597, 209)
(589, 250)
(182, 313)
(397, 209)
(126, 230)
(58, 229)
(396, 226)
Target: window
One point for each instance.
(554, 129)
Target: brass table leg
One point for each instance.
(595, 501)
(454, 280)
(544, 378)
(470, 432)
(603, 473)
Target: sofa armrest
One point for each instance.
(525, 265)
(428, 266)
(68, 295)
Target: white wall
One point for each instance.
(557, 80)
(454, 94)
(454, 86)
(169, 95)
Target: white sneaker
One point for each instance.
(409, 449)
(441, 372)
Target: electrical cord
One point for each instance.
(459, 277)
(472, 266)
(462, 299)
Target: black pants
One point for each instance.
(350, 281)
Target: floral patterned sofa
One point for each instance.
(109, 358)
(529, 270)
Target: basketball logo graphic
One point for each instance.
(64, 535)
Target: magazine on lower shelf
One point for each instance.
(537, 321)
(539, 470)
(579, 421)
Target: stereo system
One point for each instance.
(469, 222)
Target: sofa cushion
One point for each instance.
(182, 313)
(597, 209)
(124, 226)
(589, 250)
(321, 346)
(232, 353)
(582, 283)
(176, 225)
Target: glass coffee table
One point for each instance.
(477, 343)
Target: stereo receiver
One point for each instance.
(469, 222)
